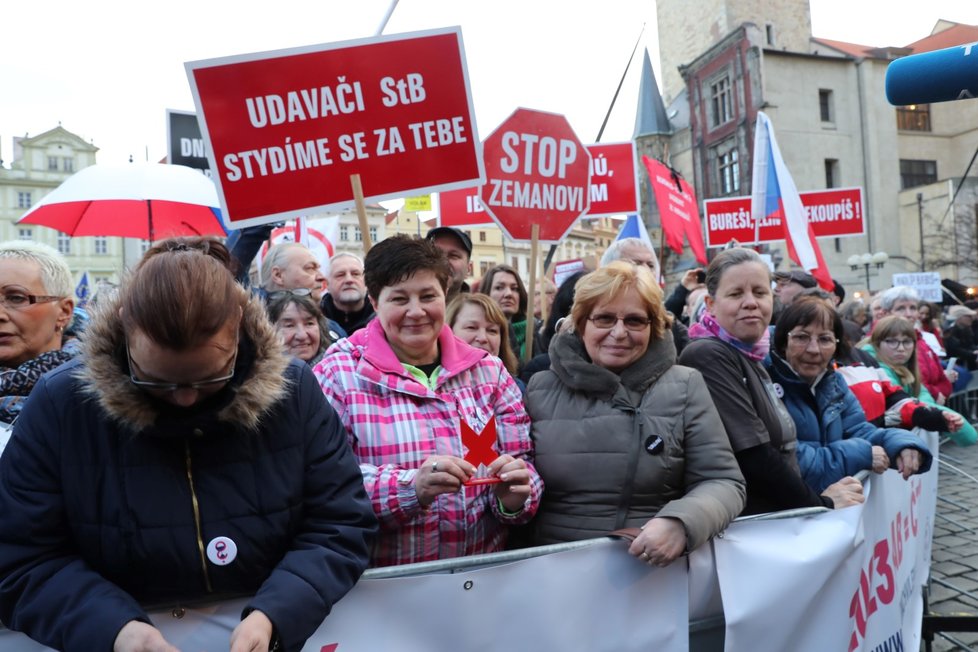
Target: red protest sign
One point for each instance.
(462, 208)
(677, 209)
(537, 172)
(613, 188)
(835, 213)
(285, 130)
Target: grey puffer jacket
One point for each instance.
(616, 450)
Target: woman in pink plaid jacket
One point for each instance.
(438, 426)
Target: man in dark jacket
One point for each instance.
(959, 338)
(346, 301)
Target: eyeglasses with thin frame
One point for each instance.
(802, 340)
(19, 300)
(631, 322)
(156, 386)
(893, 343)
(295, 292)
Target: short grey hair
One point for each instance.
(344, 254)
(276, 256)
(613, 252)
(889, 298)
(55, 273)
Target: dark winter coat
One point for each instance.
(110, 498)
(834, 438)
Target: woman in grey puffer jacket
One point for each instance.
(624, 437)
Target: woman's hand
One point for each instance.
(881, 462)
(441, 474)
(661, 540)
(952, 375)
(253, 634)
(136, 636)
(954, 421)
(515, 486)
(909, 462)
(846, 492)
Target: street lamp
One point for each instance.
(878, 259)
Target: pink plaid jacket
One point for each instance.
(394, 423)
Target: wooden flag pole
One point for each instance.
(531, 299)
(361, 212)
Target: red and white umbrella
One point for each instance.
(135, 200)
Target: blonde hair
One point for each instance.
(611, 281)
(493, 314)
(893, 326)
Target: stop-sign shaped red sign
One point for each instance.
(537, 172)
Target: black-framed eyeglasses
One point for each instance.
(295, 292)
(894, 343)
(631, 322)
(19, 300)
(172, 387)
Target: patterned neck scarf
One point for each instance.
(708, 326)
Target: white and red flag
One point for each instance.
(774, 195)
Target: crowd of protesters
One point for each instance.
(201, 439)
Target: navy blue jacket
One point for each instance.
(110, 499)
(834, 438)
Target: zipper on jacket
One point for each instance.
(193, 499)
(638, 431)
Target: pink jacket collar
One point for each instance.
(456, 355)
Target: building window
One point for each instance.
(825, 108)
(482, 236)
(515, 263)
(721, 102)
(484, 266)
(831, 173)
(769, 32)
(64, 244)
(917, 173)
(913, 117)
(25, 234)
(24, 200)
(52, 164)
(728, 168)
(143, 247)
(101, 245)
(344, 233)
(69, 164)
(373, 233)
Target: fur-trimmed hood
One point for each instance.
(259, 380)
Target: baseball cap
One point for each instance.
(801, 278)
(452, 231)
(960, 311)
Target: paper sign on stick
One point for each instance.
(286, 130)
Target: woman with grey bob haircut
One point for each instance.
(35, 307)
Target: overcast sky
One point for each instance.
(108, 70)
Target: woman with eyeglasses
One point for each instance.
(36, 306)
(624, 437)
(729, 345)
(834, 438)
(182, 457)
(894, 344)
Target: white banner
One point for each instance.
(598, 599)
(842, 580)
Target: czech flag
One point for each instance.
(775, 197)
